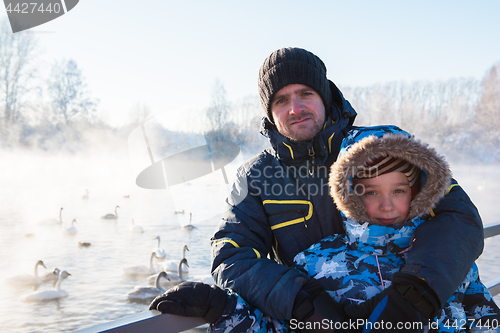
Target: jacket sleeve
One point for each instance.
(239, 255)
(447, 245)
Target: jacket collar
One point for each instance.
(381, 240)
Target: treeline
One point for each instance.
(459, 117)
(56, 111)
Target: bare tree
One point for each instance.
(488, 108)
(218, 111)
(69, 93)
(16, 73)
(139, 113)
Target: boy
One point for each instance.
(385, 183)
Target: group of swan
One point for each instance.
(50, 294)
(27, 280)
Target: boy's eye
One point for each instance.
(399, 191)
(370, 193)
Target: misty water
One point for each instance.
(35, 185)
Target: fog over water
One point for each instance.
(35, 185)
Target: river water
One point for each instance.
(33, 187)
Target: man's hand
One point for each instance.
(408, 300)
(193, 299)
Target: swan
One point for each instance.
(141, 269)
(111, 216)
(27, 279)
(140, 293)
(50, 276)
(86, 195)
(71, 230)
(47, 295)
(189, 226)
(171, 265)
(137, 229)
(160, 253)
(53, 221)
(179, 277)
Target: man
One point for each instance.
(280, 204)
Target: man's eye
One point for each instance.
(399, 191)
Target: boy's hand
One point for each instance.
(408, 300)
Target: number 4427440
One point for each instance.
(34, 7)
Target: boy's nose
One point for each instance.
(386, 204)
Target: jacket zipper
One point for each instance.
(311, 165)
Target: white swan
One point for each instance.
(51, 276)
(136, 229)
(53, 221)
(160, 253)
(179, 277)
(27, 279)
(47, 295)
(140, 293)
(86, 195)
(70, 230)
(189, 226)
(171, 265)
(141, 269)
(111, 216)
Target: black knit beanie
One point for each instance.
(292, 65)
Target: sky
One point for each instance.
(168, 54)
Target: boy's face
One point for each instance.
(386, 198)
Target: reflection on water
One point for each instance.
(34, 187)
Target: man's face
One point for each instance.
(298, 112)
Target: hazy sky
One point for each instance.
(168, 54)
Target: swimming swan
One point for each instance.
(140, 293)
(136, 229)
(141, 269)
(111, 216)
(26, 279)
(51, 276)
(71, 230)
(53, 221)
(171, 265)
(179, 277)
(47, 295)
(160, 253)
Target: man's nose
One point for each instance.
(296, 105)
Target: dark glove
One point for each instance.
(409, 299)
(192, 299)
(313, 307)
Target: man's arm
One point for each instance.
(239, 256)
(447, 245)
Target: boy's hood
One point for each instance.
(368, 143)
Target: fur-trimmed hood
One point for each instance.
(365, 144)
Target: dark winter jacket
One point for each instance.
(280, 205)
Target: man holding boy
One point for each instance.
(280, 205)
